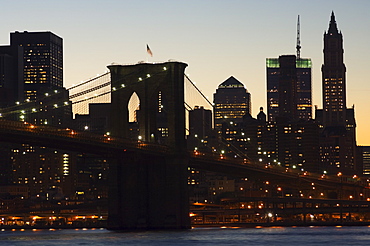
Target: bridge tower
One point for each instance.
(149, 190)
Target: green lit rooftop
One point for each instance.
(300, 63)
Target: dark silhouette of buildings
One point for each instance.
(31, 79)
(294, 136)
(11, 79)
(200, 122)
(288, 87)
(338, 137)
(97, 121)
(201, 135)
(31, 69)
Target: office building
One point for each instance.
(42, 61)
(294, 136)
(231, 102)
(34, 79)
(302, 89)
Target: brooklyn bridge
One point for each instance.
(148, 175)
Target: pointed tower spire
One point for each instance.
(333, 77)
(298, 47)
(332, 25)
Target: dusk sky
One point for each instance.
(216, 39)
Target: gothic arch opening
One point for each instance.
(133, 108)
(132, 124)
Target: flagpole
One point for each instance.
(149, 52)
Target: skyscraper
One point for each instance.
(288, 87)
(42, 62)
(302, 93)
(40, 78)
(289, 92)
(231, 102)
(11, 77)
(289, 106)
(338, 138)
(333, 77)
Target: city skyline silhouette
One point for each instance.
(217, 40)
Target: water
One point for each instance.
(302, 236)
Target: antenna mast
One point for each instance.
(298, 47)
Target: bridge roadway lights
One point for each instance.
(148, 192)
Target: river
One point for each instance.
(272, 236)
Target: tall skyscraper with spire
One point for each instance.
(294, 137)
(334, 77)
(292, 99)
(338, 140)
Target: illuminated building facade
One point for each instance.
(42, 61)
(302, 88)
(364, 158)
(231, 102)
(42, 170)
(32, 77)
(338, 137)
(333, 77)
(294, 138)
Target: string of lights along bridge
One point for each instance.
(98, 89)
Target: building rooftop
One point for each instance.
(231, 83)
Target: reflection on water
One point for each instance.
(303, 236)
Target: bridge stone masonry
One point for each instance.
(147, 191)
